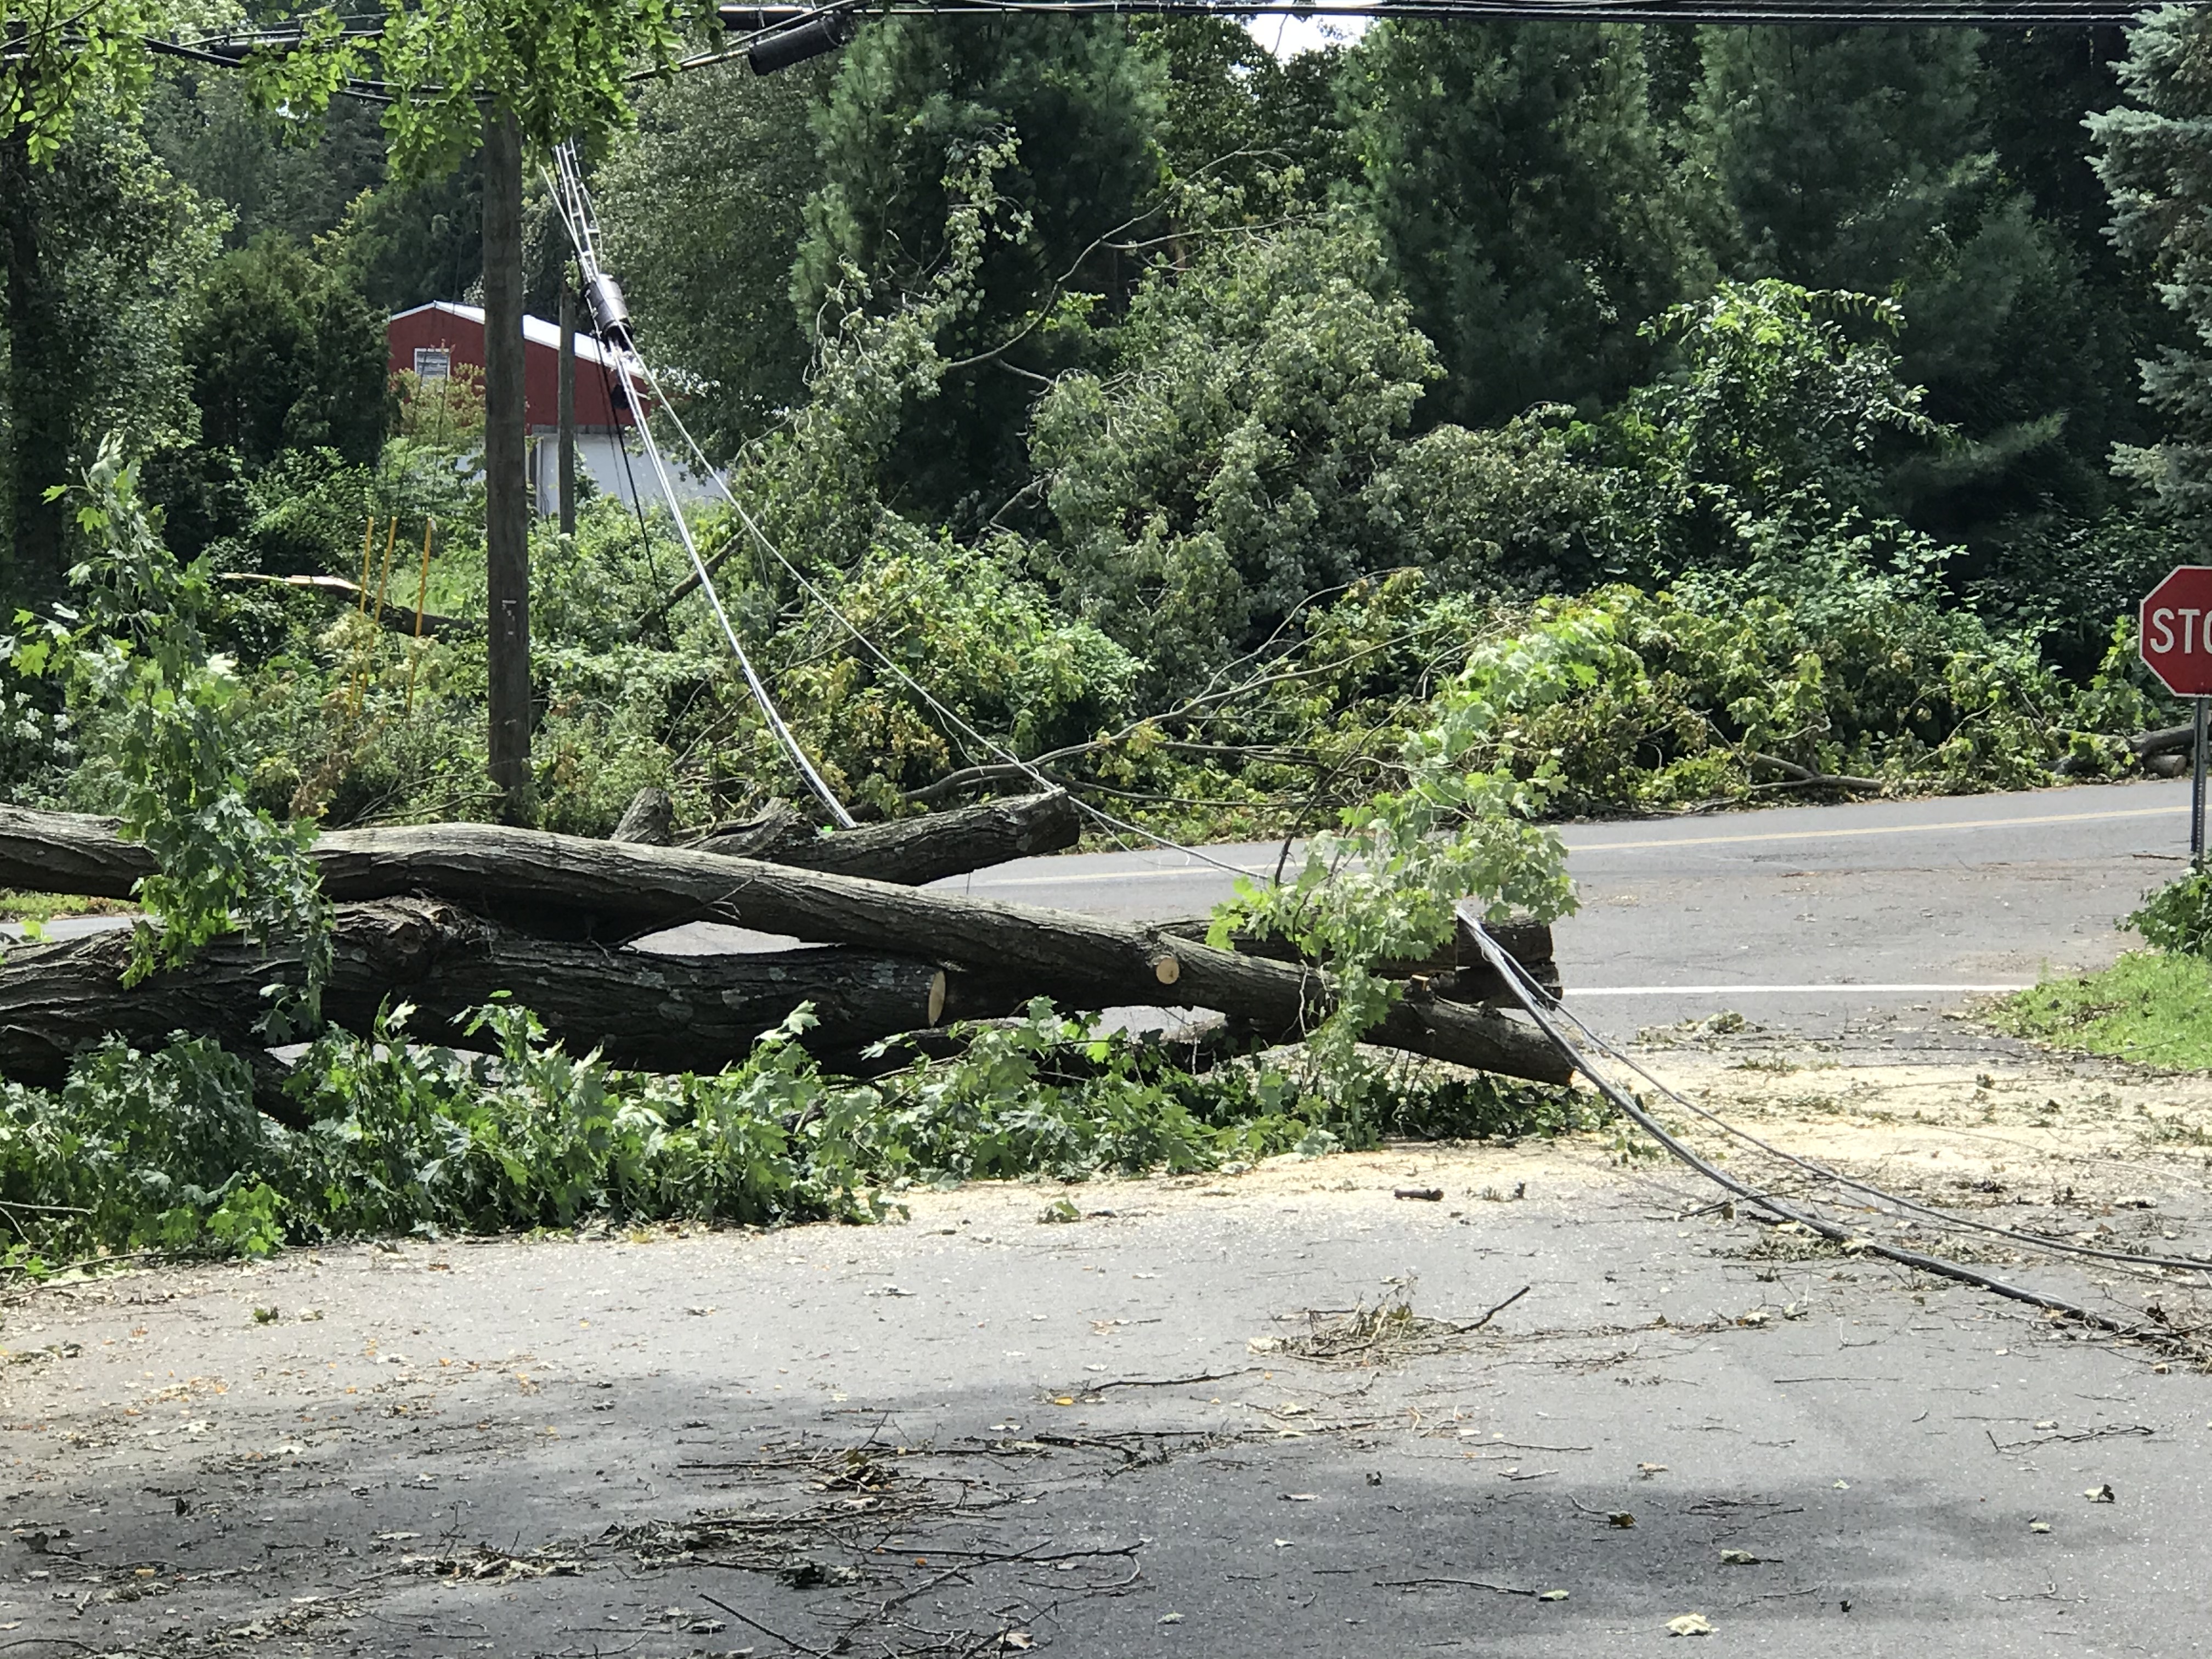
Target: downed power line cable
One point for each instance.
(1533, 999)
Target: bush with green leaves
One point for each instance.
(396, 1133)
(161, 713)
(2177, 917)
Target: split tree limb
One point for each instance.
(911, 851)
(621, 889)
(646, 1012)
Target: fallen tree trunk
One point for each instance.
(391, 617)
(912, 851)
(76, 852)
(1079, 961)
(646, 1012)
(2167, 740)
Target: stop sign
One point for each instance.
(2176, 636)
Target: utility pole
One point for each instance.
(506, 505)
(567, 440)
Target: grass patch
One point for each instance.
(2151, 1006)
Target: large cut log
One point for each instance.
(1080, 961)
(912, 851)
(647, 1011)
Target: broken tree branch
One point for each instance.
(911, 851)
(644, 1010)
(542, 882)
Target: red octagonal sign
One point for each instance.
(2176, 636)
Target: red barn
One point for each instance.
(437, 338)
(433, 340)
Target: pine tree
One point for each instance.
(1526, 203)
(2156, 157)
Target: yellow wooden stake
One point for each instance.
(367, 545)
(422, 597)
(383, 582)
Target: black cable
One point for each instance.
(1533, 997)
(636, 500)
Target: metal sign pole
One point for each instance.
(2196, 793)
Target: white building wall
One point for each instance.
(599, 459)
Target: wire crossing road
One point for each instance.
(1807, 916)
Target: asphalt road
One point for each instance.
(1814, 917)
(974, 1435)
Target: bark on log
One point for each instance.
(647, 1012)
(1528, 943)
(649, 820)
(1080, 961)
(913, 851)
(2167, 740)
(76, 852)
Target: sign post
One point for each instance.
(2175, 639)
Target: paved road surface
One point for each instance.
(974, 1435)
(1786, 916)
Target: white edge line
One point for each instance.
(1768, 990)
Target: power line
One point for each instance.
(611, 317)
(958, 726)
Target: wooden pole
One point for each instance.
(384, 581)
(567, 406)
(506, 505)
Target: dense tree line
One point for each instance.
(1091, 356)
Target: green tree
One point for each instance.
(914, 97)
(1861, 159)
(2154, 155)
(703, 207)
(284, 356)
(103, 250)
(1525, 202)
(1231, 110)
(66, 67)
(1220, 473)
(274, 174)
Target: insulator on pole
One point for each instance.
(824, 31)
(610, 311)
